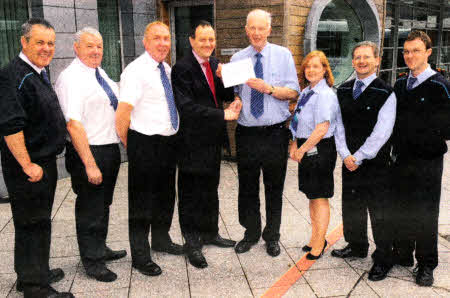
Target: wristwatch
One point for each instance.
(272, 89)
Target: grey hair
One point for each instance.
(366, 43)
(86, 30)
(28, 25)
(260, 12)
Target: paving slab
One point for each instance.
(332, 282)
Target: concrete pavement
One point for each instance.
(228, 275)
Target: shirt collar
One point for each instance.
(322, 84)
(264, 51)
(428, 72)
(27, 61)
(199, 59)
(368, 80)
(153, 63)
(83, 66)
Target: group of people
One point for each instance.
(392, 143)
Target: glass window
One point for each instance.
(339, 30)
(108, 23)
(446, 38)
(386, 61)
(13, 13)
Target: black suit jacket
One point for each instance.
(202, 125)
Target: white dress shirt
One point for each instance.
(83, 99)
(141, 87)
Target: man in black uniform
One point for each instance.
(423, 125)
(33, 132)
(368, 115)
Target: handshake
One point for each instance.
(233, 111)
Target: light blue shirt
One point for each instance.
(428, 72)
(380, 133)
(321, 107)
(279, 70)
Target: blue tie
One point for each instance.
(112, 97)
(257, 98)
(169, 96)
(44, 75)
(411, 82)
(358, 89)
(303, 100)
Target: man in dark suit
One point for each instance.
(199, 95)
(32, 133)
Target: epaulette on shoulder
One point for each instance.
(23, 80)
(443, 86)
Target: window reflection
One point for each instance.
(338, 31)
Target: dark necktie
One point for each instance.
(257, 98)
(169, 96)
(44, 76)
(210, 79)
(112, 97)
(411, 82)
(358, 89)
(303, 100)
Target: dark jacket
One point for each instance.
(202, 125)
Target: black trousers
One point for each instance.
(198, 206)
(261, 148)
(368, 189)
(151, 188)
(417, 190)
(93, 201)
(31, 206)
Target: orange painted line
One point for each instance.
(285, 282)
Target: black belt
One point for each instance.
(263, 127)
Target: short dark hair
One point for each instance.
(367, 43)
(26, 27)
(417, 34)
(201, 23)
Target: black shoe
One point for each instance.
(306, 248)
(111, 255)
(424, 276)
(310, 256)
(150, 268)
(219, 241)
(243, 246)
(48, 292)
(196, 258)
(379, 271)
(348, 252)
(403, 260)
(170, 248)
(101, 273)
(54, 275)
(273, 249)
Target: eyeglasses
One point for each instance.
(414, 52)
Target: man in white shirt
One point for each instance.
(88, 100)
(146, 122)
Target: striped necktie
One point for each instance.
(256, 97)
(169, 96)
(358, 89)
(411, 82)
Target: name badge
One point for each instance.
(312, 151)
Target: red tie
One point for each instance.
(209, 77)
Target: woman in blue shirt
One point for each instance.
(313, 126)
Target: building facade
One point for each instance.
(333, 26)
